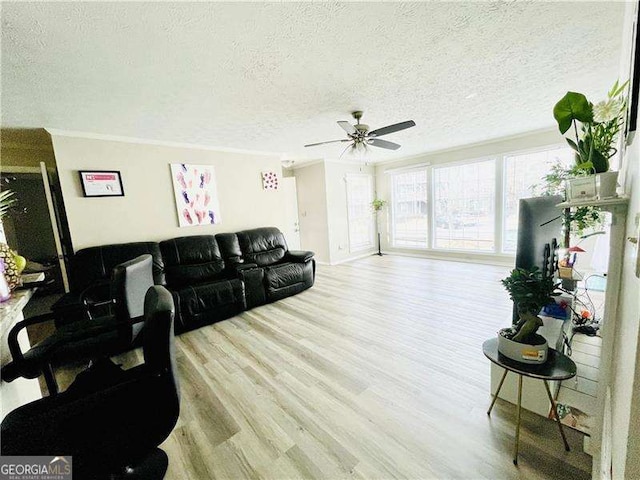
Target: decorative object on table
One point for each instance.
(5, 292)
(11, 273)
(196, 194)
(101, 183)
(581, 188)
(269, 180)
(595, 142)
(568, 261)
(378, 205)
(6, 201)
(530, 290)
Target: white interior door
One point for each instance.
(292, 225)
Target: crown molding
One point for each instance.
(161, 143)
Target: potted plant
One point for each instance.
(530, 290)
(595, 142)
(377, 205)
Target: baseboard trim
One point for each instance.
(453, 258)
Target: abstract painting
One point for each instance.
(196, 194)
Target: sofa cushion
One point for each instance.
(192, 260)
(262, 246)
(205, 303)
(287, 279)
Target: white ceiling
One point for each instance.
(275, 76)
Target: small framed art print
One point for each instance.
(101, 183)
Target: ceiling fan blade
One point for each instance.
(330, 141)
(392, 128)
(347, 127)
(376, 142)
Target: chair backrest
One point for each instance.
(129, 284)
(158, 342)
(94, 264)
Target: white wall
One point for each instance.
(625, 379)
(147, 211)
(469, 152)
(338, 221)
(312, 210)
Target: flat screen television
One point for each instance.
(539, 229)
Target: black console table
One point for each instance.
(558, 367)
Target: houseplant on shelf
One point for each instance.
(595, 142)
(378, 205)
(530, 290)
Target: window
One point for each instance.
(464, 201)
(521, 173)
(360, 214)
(409, 209)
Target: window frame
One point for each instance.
(372, 229)
(392, 209)
(459, 163)
(500, 189)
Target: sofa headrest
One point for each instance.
(230, 248)
(190, 260)
(262, 246)
(96, 263)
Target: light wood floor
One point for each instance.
(376, 372)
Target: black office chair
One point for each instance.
(86, 339)
(110, 421)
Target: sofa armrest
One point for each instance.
(298, 256)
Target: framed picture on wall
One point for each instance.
(196, 194)
(101, 183)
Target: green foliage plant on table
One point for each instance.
(530, 290)
(600, 125)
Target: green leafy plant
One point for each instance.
(378, 204)
(530, 290)
(600, 125)
(6, 202)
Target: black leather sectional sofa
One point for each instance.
(211, 277)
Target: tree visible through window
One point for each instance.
(521, 173)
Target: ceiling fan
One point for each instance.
(359, 136)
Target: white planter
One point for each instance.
(607, 184)
(523, 352)
(581, 188)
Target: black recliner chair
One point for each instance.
(110, 421)
(86, 339)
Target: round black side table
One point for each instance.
(558, 367)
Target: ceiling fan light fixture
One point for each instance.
(359, 136)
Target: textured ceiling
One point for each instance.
(275, 76)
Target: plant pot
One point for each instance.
(581, 188)
(524, 352)
(607, 183)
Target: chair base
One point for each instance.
(152, 467)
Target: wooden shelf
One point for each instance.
(594, 202)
